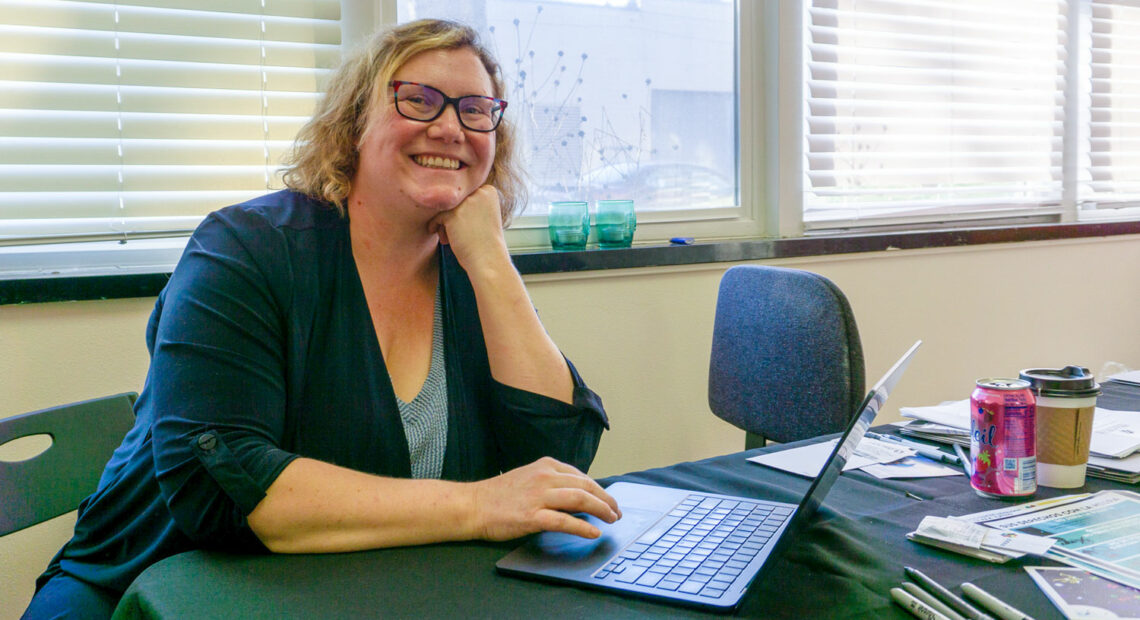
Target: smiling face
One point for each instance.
(418, 168)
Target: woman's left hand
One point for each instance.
(474, 229)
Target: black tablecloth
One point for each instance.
(843, 565)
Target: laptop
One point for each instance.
(686, 547)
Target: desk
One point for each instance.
(843, 565)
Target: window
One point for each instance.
(132, 120)
(123, 123)
(1111, 167)
(617, 99)
(942, 111)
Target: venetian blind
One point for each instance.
(932, 109)
(136, 118)
(1112, 176)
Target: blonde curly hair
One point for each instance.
(325, 156)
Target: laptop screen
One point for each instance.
(854, 434)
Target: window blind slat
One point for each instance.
(108, 98)
(231, 22)
(829, 93)
(969, 21)
(69, 177)
(74, 9)
(50, 13)
(52, 207)
(65, 42)
(155, 73)
(59, 124)
(313, 9)
(76, 151)
(934, 127)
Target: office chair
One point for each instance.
(787, 363)
(53, 482)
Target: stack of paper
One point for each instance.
(1095, 532)
(963, 537)
(1114, 449)
(1131, 377)
(966, 535)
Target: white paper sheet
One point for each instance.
(1116, 434)
(960, 532)
(808, 460)
(912, 467)
(955, 414)
(1132, 376)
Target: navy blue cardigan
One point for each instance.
(262, 350)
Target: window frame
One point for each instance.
(769, 225)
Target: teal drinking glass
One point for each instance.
(616, 222)
(569, 225)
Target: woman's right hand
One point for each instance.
(540, 497)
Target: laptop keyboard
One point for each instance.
(698, 548)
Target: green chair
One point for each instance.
(53, 482)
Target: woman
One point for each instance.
(355, 362)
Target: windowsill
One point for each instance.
(817, 245)
(37, 290)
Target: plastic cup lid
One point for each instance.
(1067, 382)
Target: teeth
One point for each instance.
(436, 162)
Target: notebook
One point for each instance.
(686, 547)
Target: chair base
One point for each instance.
(754, 440)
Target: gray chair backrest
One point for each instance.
(53, 482)
(787, 363)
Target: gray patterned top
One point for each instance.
(425, 418)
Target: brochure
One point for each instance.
(1080, 594)
(1099, 532)
(963, 534)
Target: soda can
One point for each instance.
(1003, 439)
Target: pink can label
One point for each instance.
(1003, 446)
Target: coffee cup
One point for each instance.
(1066, 401)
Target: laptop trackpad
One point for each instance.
(566, 553)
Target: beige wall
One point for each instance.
(641, 339)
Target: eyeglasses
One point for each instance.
(421, 102)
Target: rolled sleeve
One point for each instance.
(242, 488)
(530, 426)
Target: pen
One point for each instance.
(966, 464)
(929, 452)
(1000, 608)
(929, 599)
(953, 601)
(916, 607)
